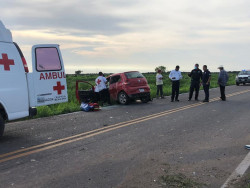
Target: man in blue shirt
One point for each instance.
(206, 78)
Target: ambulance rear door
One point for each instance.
(47, 83)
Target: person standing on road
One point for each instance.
(175, 76)
(206, 78)
(159, 84)
(101, 87)
(196, 77)
(222, 81)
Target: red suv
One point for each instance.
(127, 86)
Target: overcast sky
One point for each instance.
(123, 35)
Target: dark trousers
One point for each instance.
(222, 92)
(206, 90)
(159, 90)
(175, 90)
(104, 95)
(195, 85)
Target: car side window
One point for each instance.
(115, 79)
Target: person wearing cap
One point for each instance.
(159, 84)
(175, 76)
(101, 87)
(206, 78)
(222, 81)
(196, 77)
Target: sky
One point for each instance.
(123, 35)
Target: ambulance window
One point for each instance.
(47, 59)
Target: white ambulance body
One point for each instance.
(20, 90)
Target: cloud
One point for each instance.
(146, 33)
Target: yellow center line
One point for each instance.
(86, 133)
(90, 135)
(99, 131)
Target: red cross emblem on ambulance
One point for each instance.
(59, 88)
(6, 62)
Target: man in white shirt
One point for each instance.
(175, 76)
(159, 84)
(102, 88)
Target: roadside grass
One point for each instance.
(72, 105)
(244, 182)
(179, 180)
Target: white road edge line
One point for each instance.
(239, 171)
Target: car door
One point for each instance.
(47, 83)
(113, 86)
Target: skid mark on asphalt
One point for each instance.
(56, 143)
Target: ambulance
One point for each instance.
(21, 90)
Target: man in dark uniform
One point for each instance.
(206, 77)
(196, 76)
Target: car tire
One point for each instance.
(2, 125)
(144, 100)
(237, 83)
(123, 98)
(244, 83)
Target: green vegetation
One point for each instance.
(73, 104)
(243, 182)
(179, 180)
(162, 68)
(185, 82)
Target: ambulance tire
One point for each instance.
(123, 98)
(2, 125)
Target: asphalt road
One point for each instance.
(130, 146)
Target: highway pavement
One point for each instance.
(130, 146)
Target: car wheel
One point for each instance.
(144, 100)
(123, 98)
(244, 83)
(2, 125)
(237, 83)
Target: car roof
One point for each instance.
(116, 74)
(131, 71)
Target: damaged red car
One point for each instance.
(128, 86)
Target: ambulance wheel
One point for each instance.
(2, 125)
(123, 98)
